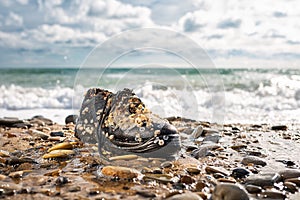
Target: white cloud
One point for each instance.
(14, 19)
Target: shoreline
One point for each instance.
(237, 159)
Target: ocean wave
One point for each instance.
(274, 99)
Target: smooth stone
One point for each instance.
(229, 191)
(289, 173)
(211, 169)
(64, 145)
(166, 164)
(120, 172)
(240, 172)
(204, 150)
(11, 121)
(253, 160)
(253, 189)
(187, 179)
(124, 157)
(215, 138)
(60, 153)
(292, 187)
(16, 160)
(207, 131)
(74, 188)
(61, 180)
(10, 186)
(44, 119)
(294, 180)
(262, 179)
(273, 195)
(193, 170)
(238, 147)
(57, 133)
(2, 177)
(164, 178)
(38, 134)
(71, 119)
(197, 132)
(279, 128)
(185, 196)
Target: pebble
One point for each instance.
(211, 169)
(215, 138)
(2, 177)
(229, 191)
(17, 174)
(289, 173)
(120, 172)
(44, 119)
(204, 150)
(124, 157)
(253, 189)
(16, 160)
(57, 133)
(4, 153)
(197, 132)
(273, 195)
(262, 180)
(294, 180)
(74, 188)
(193, 170)
(10, 186)
(253, 160)
(187, 179)
(64, 145)
(292, 187)
(279, 128)
(61, 153)
(240, 172)
(166, 164)
(164, 178)
(207, 131)
(38, 134)
(71, 119)
(61, 180)
(185, 196)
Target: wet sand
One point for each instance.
(41, 159)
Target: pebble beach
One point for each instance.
(42, 159)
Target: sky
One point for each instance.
(234, 33)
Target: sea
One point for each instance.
(214, 95)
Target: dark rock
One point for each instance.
(279, 128)
(57, 133)
(253, 160)
(294, 180)
(71, 119)
(13, 122)
(44, 119)
(208, 131)
(273, 195)
(289, 173)
(291, 187)
(240, 173)
(253, 189)
(187, 179)
(16, 161)
(288, 163)
(262, 180)
(228, 191)
(61, 180)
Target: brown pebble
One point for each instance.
(120, 172)
(62, 153)
(185, 196)
(211, 169)
(2, 177)
(253, 189)
(193, 170)
(292, 187)
(289, 173)
(294, 180)
(200, 185)
(17, 174)
(124, 157)
(227, 180)
(187, 179)
(272, 195)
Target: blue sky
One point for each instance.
(234, 33)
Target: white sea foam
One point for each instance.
(275, 100)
